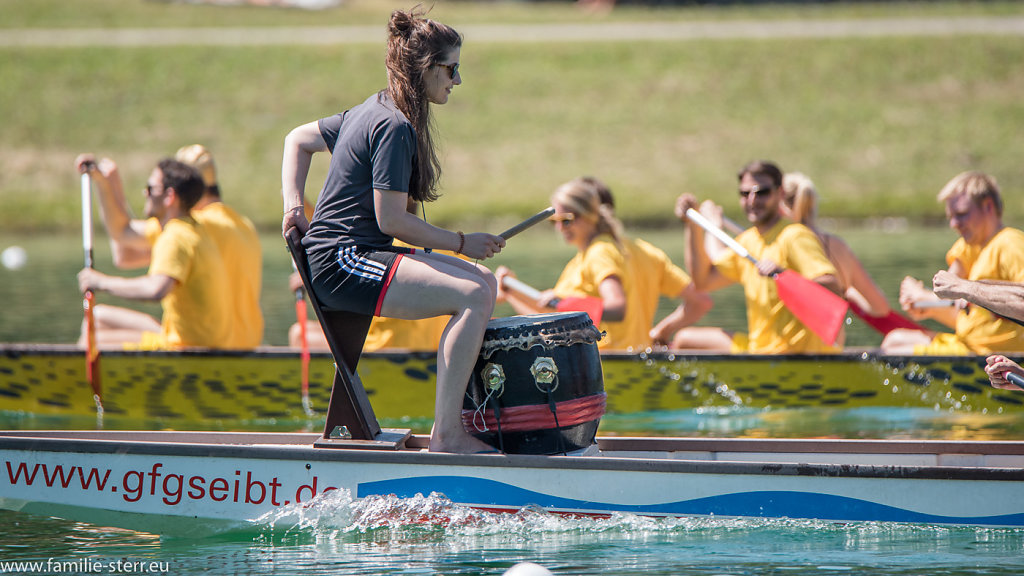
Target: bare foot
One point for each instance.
(460, 444)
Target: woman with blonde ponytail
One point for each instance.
(599, 269)
(800, 204)
(383, 164)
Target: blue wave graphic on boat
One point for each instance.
(762, 504)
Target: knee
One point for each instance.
(482, 294)
(488, 277)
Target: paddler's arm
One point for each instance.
(830, 282)
(1003, 298)
(519, 302)
(997, 366)
(129, 246)
(913, 291)
(299, 146)
(613, 299)
(705, 277)
(148, 287)
(695, 305)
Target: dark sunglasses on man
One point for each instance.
(758, 191)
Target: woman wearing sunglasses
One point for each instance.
(608, 266)
(383, 164)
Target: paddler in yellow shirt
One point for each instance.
(132, 240)
(655, 275)
(624, 276)
(776, 244)
(186, 274)
(986, 251)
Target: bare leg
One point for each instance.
(314, 336)
(116, 326)
(702, 338)
(435, 285)
(903, 341)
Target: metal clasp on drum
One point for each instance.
(493, 376)
(545, 372)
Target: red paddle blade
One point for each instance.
(818, 308)
(885, 324)
(592, 306)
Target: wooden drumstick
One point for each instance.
(539, 216)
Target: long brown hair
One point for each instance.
(415, 44)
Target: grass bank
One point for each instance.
(879, 123)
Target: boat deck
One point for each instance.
(958, 455)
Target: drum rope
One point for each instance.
(538, 416)
(554, 413)
(478, 413)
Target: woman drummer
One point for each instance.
(383, 164)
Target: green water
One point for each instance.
(430, 535)
(40, 302)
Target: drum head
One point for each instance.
(544, 330)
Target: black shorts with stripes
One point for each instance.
(353, 279)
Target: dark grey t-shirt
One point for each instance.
(372, 146)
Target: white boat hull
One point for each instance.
(166, 482)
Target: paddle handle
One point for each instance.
(532, 220)
(935, 304)
(715, 231)
(526, 290)
(87, 218)
(1014, 378)
(521, 287)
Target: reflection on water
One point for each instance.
(854, 423)
(878, 422)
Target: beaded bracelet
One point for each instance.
(462, 242)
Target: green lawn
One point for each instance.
(879, 123)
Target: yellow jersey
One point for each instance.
(195, 312)
(773, 329)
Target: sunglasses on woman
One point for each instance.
(565, 218)
(453, 69)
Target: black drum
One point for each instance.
(537, 387)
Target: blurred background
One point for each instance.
(879, 103)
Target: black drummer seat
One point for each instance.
(350, 416)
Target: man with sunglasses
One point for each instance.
(132, 239)
(186, 274)
(777, 245)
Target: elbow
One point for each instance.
(700, 303)
(614, 312)
(389, 227)
(293, 140)
(159, 287)
(124, 259)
